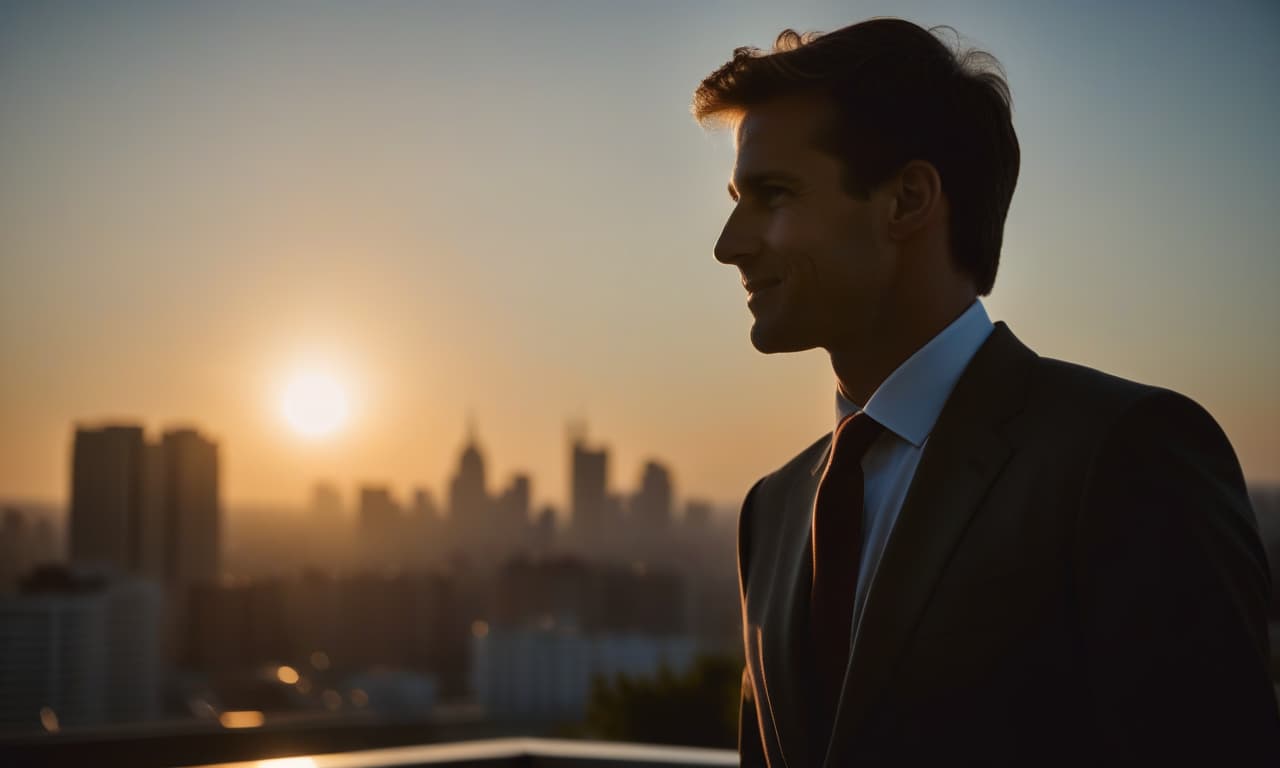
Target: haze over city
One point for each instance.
(503, 212)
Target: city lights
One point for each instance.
(49, 719)
(241, 719)
(287, 675)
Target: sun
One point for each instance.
(315, 404)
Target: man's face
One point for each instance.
(815, 263)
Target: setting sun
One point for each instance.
(315, 404)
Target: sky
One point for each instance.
(502, 214)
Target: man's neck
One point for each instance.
(862, 365)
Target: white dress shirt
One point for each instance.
(907, 403)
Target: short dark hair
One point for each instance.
(898, 94)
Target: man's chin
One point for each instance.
(773, 340)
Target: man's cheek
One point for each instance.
(787, 233)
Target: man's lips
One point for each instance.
(758, 284)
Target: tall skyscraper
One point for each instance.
(470, 508)
(145, 509)
(107, 497)
(651, 506)
(468, 496)
(514, 503)
(189, 490)
(588, 496)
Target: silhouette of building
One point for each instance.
(513, 504)
(542, 535)
(357, 622)
(651, 506)
(146, 509)
(379, 512)
(697, 516)
(190, 508)
(589, 504)
(592, 597)
(111, 522)
(326, 536)
(469, 504)
(427, 534)
(80, 648)
(231, 627)
(424, 506)
(25, 542)
(546, 673)
(381, 527)
(468, 497)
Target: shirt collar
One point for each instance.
(909, 401)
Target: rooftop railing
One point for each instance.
(501, 753)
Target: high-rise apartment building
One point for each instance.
(110, 514)
(651, 506)
(79, 647)
(148, 509)
(588, 504)
(189, 493)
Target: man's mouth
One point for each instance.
(759, 284)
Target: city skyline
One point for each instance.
(653, 496)
(506, 210)
(157, 612)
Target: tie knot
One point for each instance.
(853, 437)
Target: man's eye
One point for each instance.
(773, 194)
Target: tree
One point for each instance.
(698, 708)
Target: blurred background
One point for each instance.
(366, 365)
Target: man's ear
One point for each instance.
(916, 199)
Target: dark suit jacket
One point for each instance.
(1075, 578)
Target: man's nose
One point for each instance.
(736, 242)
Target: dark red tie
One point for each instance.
(836, 538)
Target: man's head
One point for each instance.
(874, 171)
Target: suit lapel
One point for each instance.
(787, 654)
(964, 454)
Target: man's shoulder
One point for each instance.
(803, 464)
(1089, 396)
(1092, 388)
(1082, 409)
(1008, 386)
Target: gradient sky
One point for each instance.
(504, 209)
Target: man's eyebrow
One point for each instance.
(754, 181)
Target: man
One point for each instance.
(997, 558)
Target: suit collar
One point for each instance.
(965, 453)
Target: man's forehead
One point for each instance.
(790, 120)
